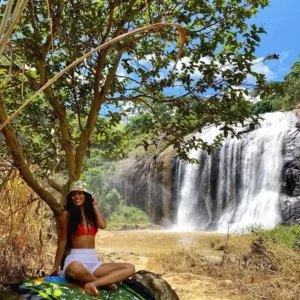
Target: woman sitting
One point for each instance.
(78, 225)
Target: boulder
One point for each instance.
(160, 288)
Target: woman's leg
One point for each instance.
(110, 273)
(105, 275)
(76, 270)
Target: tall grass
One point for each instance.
(25, 231)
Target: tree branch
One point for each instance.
(55, 164)
(58, 108)
(75, 99)
(110, 20)
(18, 70)
(33, 18)
(21, 164)
(95, 108)
(99, 96)
(54, 184)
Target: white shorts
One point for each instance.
(88, 257)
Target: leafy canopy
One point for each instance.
(85, 105)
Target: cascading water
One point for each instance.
(239, 184)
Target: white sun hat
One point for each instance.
(79, 186)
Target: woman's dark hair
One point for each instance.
(75, 216)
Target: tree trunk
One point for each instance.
(21, 164)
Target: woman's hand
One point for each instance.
(100, 221)
(54, 272)
(94, 202)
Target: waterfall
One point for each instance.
(239, 184)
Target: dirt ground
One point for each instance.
(141, 247)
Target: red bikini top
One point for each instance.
(81, 230)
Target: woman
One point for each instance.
(78, 225)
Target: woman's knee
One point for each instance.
(131, 268)
(74, 268)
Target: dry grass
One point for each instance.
(257, 268)
(25, 234)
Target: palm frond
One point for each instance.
(6, 33)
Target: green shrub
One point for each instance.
(113, 199)
(128, 216)
(285, 235)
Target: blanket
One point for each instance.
(53, 288)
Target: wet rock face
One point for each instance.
(147, 182)
(290, 194)
(291, 183)
(290, 209)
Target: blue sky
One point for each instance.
(282, 22)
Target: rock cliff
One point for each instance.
(290, 192)
(147, 181)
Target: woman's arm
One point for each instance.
(100, 221)
(61, 243)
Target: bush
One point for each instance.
(285, 235)
(128, 216)
(96, 176)
(111, 202)
(96, 181)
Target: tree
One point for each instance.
(284, 95)
(60, 125)
(273, 102)
(291, 89)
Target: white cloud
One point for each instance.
(81, 77)
(248, 97)
(121, 73)
(260, 67)
(283, 56)
(271, 68)
(26, 67)
(146, 62)
(186, 60)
